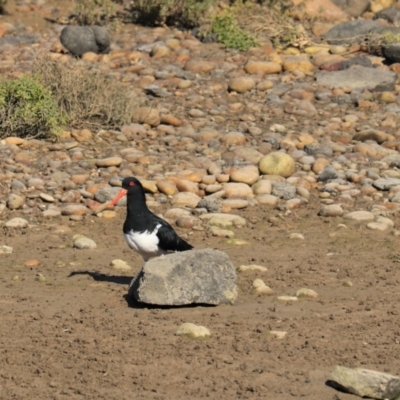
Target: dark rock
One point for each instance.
(361, 60)
(316, 148)
(19, 39)
(106, 194)
(79, 40)
(192, 277)
(346, 99)
(391, 52)
(156, 91)
(353, 7)
(358, 78)
(211, 204)
(351, 31)
(284, 190)
(390, 14)
(327, 173)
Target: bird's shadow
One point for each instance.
(130, 300)
(99, 277)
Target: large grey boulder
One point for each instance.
(79, 40)
(192, 277)
(358, 78)
(366, 383)
(351, 31)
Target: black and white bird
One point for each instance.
(144, 232)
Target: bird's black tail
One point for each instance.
(182, 245)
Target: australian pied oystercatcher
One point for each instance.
(144, 232)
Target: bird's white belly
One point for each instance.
(145, 243)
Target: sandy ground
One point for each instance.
(77, 336)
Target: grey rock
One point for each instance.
(390, 14)
(364, 61)
(192, 277)
(211, 204)
(19, 39)
(284, 190)
(17, 185)
(317, 148)
(353, 7)
(345, 99)
(351, 31)
(358, 78)
(107, 194)
(180, 73)
(391, 158)
(386, 183)
(51, 212)
(328, 173)
(156, 91)
(365, 383)
(331, 210)
(395, 198)
(392, 52)
(79, 40)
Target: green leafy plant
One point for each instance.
(224, 25)
(94, 12)
(186, 13)
(27, 109)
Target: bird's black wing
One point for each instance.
(168, 238)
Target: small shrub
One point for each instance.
(229, 33)
(27, 109)
(88, 98)
(94, 12)
(184, 13)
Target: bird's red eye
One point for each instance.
(131, 183)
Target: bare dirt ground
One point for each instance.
(77, 337)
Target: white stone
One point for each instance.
(6, 249)
(120, 265)
(17, 223)
(193, 331)
(252, 267)
(82, 242)
(360, 216)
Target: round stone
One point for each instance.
(241, 84)
(121, 265)
(109, 162)
(193, 331)
(15, 201)
(248, 175)
(277, 163)
(262, 67)
(17, 223)
(82, 242)
(185, 199)
(360, 216)
(262, 187)
(237, 190)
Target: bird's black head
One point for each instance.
(130, 187)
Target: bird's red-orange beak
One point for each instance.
(116, 199)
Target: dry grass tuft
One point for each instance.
(87, 97)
